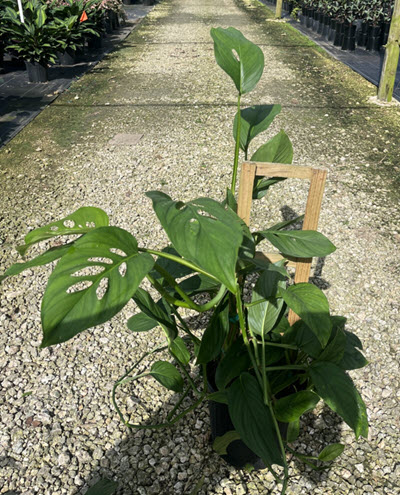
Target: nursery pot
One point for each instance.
(349, 37)
(127, 2)
(362, 34)
(320, 23)
(37, 73)
(310, 17)
(325, 27)
(315, 23)
(374, 38)
(94, 42)
(338, 34)
(238, 454)
(385, 28)
(68, 57)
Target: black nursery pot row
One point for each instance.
(344, 34)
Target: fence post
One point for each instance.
(390, 63)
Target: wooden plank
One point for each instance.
(313, 208)
(246, 184)
(282, 170)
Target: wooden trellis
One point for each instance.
(317, 178)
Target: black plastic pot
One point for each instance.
(310, 18)
(338, 34)
(320, 23)
(68, 57)
(94, 42)
(349, 37)
(107, 23)
(374, 38)
(332, 30)
(362, 34)
(315, 23)
(385, 28)
(325, 27)
(302, 19)
(37, 73)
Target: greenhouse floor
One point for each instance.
(21, 101)
(157, 114)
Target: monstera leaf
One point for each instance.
(204, 233)
(241, 59)
(74, 299)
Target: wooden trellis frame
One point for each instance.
(317, 178)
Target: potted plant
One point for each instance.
(350, 13)
(35, 40)
(266, 372)
(374, 14)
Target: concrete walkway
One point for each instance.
(59, 432)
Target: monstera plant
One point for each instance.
(266, 372)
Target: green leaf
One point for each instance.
(305, 339)
(263, 316)
(352, 358)
(311, 304)
(248, 248)
(141, 323)
(179, 350)
(197, 284)
(156, 311)
(286, 223)
(52, 254)
(81, 221)
(291, 407)
(166, 373)
(337, 389)
(202, 232)
(262, 184)
(277, 150)
(293, 431)
(252, 419)
(232, 364)
(254, 120)
(215, 333)
(41, 16)
(299, 243)
(334, 351)
(230, 201)
(68, 308)
(221, 443)
(219, 396)
(175, 269)
(330, 452)
(103, 487)
(241, 59)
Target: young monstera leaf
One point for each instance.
(74, 300)
(241, 59)
(254, 120)
(203, 232)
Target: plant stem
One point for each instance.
(173, 283)
(177, 405)
(237, 147)
(185, 328)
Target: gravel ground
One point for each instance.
(59, 432)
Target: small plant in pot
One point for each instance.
(265, 371)
(35, 40)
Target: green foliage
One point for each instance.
(263, 368)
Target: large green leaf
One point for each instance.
(334, 351)
(103, 487)
(311, 304)
(305, 339)
(254, 120)
(202, 232)
(41, 16)
(232, 364)
(241, 59)
(337, 389)
(141, 323)
(352, 358)
(52, 254)
(263, 316)
(299, 243)
(180, 351)
(221, 443)
(215, 333)
(291, 407)
(175, 269)
(157, 311)
(67, 307)
(252, 419)
(166, 373)
(81, 221)
(197, 284)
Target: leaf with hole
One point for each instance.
(73, 300)
(331, 452)
(166, 373)
(337, 390)
(241, 59)
(252, 419)
(80, 222)
(202, 232)
(254, 120)
(311, 304)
